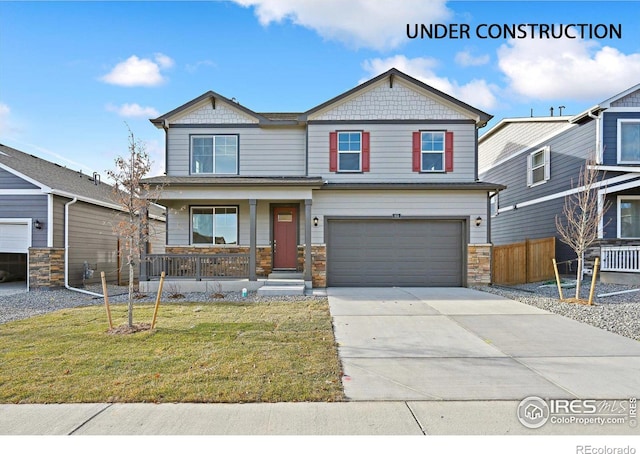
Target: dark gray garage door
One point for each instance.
(402, 252)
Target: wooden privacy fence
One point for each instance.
(519, 263)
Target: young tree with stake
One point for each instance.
(582, 215)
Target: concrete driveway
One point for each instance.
(462, 344)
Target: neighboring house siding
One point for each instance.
(262, 152)
(27, 206)
(58, 221)
(91, 239)
(567, 152)
(391, 152)
(373, 203)
(10, 181)
(610, 134)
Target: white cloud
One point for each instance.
(477, 93)
(567, 69)
(464, 58)
(374, 24)
(195, 66)
(133, 110)
(136, 71)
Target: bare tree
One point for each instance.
(582, 216)
(134, 198)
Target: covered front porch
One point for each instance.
(222, 232)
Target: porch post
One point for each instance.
(252, 239)
(307, 240)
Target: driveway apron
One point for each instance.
(464, 344)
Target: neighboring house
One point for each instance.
(375, 187)
(35, 231)
(539, 160)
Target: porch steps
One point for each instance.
(283, 284)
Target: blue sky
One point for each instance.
(72, 73)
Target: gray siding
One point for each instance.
(610, 134)
(27, 206)
(391, 152)
(441, 204)
(58, 220)
(567, 154)
(10, 181)
(91, 239)
(262, 152)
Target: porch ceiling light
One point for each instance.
(315, 221)
(478, 221)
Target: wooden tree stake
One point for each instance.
(593, 280)
(555, 268)
(155, 310)
(106, 298)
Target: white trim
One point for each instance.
(619, 200)
(69, 195)
(24, 177)
(619, 139)
(627, 169)
(21, 192)
(49, 220)
(620, 187)
(525, 149)
(623, 109)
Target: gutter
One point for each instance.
(66, 252)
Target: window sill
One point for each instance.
(537, 184)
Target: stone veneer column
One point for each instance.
(319, 266)
(478, 264)
(46, 268)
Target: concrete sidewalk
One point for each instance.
(346, 418)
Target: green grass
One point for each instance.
(213, 352)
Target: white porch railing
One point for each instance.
(620, 258)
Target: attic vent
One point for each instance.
(96, 178)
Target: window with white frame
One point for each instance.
(493, 202)
(538, 167)
(629, 217)
(214, 154)
(214, 225)
(432, 151)
(349, 151)
(628, 141)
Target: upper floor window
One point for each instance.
(538, 167)
(433, 151)
(494, 203)
(214, 154)
(349, 151)
(629, 141)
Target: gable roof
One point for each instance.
(513, 135)
(56, 179)
(481, 117)
(606, 104)
(286, 118)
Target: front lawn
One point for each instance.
(212, 352)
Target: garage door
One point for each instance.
(14, 237)
(402, 252)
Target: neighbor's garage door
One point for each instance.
(14, 237)
(402, 252)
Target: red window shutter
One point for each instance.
(333, 151)
(448, 151)
(365, 151)
(417, 145)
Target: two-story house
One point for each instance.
(539, 159)
(375, 187)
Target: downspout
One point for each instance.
(66, 252)
(599, 154)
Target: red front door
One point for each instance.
(285, 238)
